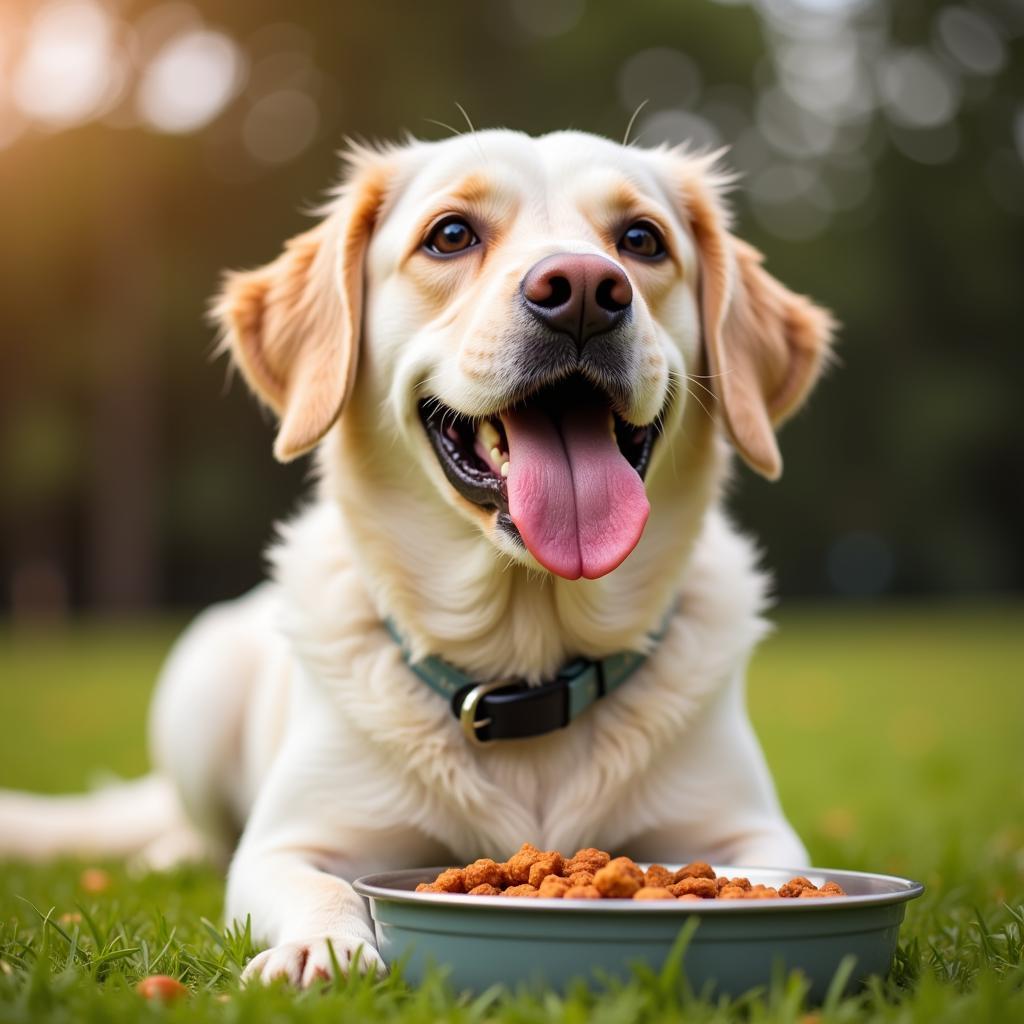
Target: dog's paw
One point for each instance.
(306, 962)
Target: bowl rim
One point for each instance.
(381, 886)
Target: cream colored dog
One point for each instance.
(519, 361)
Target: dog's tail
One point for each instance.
(120, 820)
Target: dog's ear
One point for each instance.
(765, 345)
(292, 327)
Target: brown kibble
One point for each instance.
(452, 880)
(520, 890)
(519, 864)
(705, 888)
(552, 887)
(619, 879)
(653, 892)
(582, 892)
(484, 890)
(657, 876)
(588, 874)
(95, 880)
(587, 859)
(696, 869)
(795, 886)
(161, 988)
(486, 872)
(550, 864)
(732, 892)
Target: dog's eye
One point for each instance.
(452, 235)
(642, 239)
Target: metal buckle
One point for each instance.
(467, 713)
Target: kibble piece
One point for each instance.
(705, 888)
(550, 864)
(743, 883)
(486, 872)
(485, 890)
(619, 878)
(519, 864)
(732, 892)
(161, 988)
(762, 892)
(552, 887)
(582, 878)
(657, 876)
(832, 889)
(582, 892)
(452, 880)
(520, 890)
(811, 893)
(587, 859)
(653, 892)
(795, 886)
(687, 896)
(696, 869)
(429, 887)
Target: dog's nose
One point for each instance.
(577, 294)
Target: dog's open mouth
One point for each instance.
(562, 466)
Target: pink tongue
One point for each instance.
(579, 505)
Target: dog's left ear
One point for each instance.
(766, 346)
(292, 327)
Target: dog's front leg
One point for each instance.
(330, 809)
(304, 912)
(723, 805)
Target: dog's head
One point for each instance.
(537, 324)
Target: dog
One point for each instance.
(523, 365)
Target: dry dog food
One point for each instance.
(593, 875)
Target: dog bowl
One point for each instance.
(737, 945)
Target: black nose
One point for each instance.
(576, 294)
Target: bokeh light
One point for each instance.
(190, 81)
(70, 67)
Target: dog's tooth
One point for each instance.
(487, 435)
(496, 456)
(504, 469)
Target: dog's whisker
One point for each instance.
(443, 124)
(702, 385)
(632, 120)
(708, 376)
(696, 398)
(472, 131)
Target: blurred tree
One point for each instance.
(146, 145)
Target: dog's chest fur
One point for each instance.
(592, 783)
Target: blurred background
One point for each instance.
(144, 146)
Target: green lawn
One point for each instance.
(897, 741)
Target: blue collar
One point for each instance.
(506, 709)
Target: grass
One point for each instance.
(897, 741)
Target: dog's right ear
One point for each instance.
(292, 327)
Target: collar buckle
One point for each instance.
(467, 710)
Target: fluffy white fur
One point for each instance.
(290, 717)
